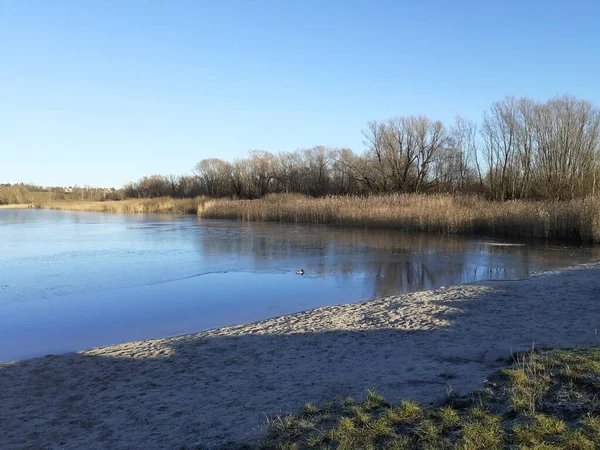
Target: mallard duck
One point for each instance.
(300, 272)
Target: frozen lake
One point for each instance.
(75, 280)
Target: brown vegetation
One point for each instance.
(522, 150)
(575, 219)
(145, 205)
(23, 194)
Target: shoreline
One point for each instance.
(19, 206)
(574, 222)
(217, 386)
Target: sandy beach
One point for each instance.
(217, 387)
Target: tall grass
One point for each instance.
(573, 220)
(143, 205)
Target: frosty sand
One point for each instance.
(217, 386)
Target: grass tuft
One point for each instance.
(545, 400)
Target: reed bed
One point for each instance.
(144, 205)
(572, 220)
(17, 206)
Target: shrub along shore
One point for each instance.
(576, 220)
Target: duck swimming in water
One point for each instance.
(300, 272)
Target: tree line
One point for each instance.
(521, 149)
(31, 193)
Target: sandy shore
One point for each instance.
(217, 386)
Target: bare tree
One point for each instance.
(567, 139)
(500, 134)
(261, 171)
(430, 138)
(464, 138)
(214, 177)
(522, 149)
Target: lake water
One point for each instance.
(74, 280)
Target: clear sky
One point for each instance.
(102, 92)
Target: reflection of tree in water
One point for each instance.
(407, 276)
(388, 261)
(15, 216)
(268, 240)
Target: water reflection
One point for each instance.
(73, 280)
(391, 261)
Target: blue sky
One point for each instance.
(103, 92)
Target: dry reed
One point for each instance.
(573, 220)
(142, 205)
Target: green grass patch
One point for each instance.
(545, 400)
